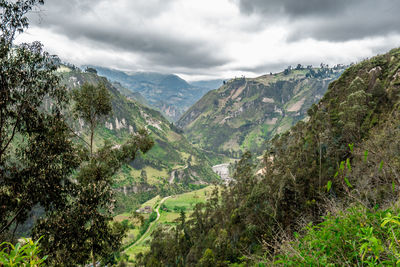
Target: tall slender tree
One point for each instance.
(92, 105)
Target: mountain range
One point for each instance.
(245, 112)
(167, 93)
(172, 154)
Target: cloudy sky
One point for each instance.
(206, 39)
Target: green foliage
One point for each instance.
(37, 155)
(21, 254)
(146, 223)
(179, 208)
(208, 259)
(92, 105)
(84, 228)
(42, 164)
(356, 236)
(300, 166)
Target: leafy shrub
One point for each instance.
(127, 224)
(358, 236)
(179, 208)
(21, 254)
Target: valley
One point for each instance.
(171, 150)
(167, 93)
(168, 211)
(147, 155)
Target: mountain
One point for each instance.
(209, 84)
(326, 193)
(172, 154)
(245, 112)
(138, 97)
(166, 92)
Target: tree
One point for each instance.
(91, 70)
(92, 104)
(208, 259)
(89, 215)
(42, 165)
(143, 176)
(36, 153)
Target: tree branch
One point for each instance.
(77, 135)
(12, 220)
(12, 135)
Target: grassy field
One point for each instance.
(186, 201)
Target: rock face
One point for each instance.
(223, 171)
(244, 113)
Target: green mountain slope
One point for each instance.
(347, 154)
(245, 112)
(171, 154)
(166, 92)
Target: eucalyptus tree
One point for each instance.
(37, 155)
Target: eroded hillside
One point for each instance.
(245, 112)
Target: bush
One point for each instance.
(358, 235)
(21, 254)
(179, 208)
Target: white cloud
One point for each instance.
(196, 39)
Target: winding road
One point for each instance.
(151, 224)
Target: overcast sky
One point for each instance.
(207, 39)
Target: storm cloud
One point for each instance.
(214, 38)
(339, 20)
(128, 26)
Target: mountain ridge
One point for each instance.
(168, 93)
(244, 112)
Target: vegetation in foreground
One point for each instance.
(358, 236)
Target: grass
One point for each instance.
(153, 174)
(168, 217)
(252, 140)
(133, 251)
(152, 202)
(187, 200)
